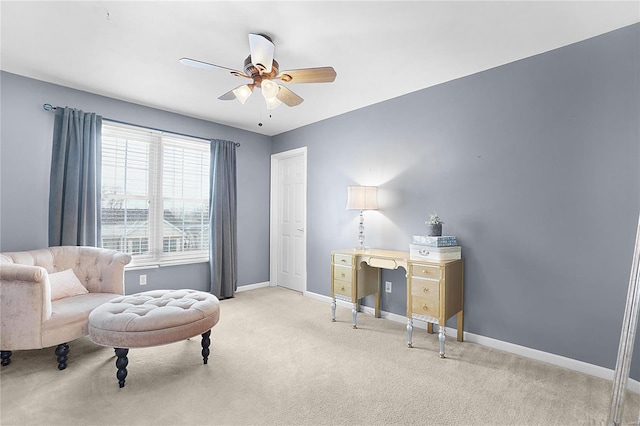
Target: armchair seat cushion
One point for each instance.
(69, 317)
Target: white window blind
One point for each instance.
(155, 195)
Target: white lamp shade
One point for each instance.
(272, 103)
(242, 93)
(269, 89)
(362, 198)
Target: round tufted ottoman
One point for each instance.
(153, 318)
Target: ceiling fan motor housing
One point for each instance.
(258, 73)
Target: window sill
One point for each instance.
(136, 267)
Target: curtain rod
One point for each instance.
(49, 107)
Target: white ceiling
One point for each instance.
(129, 50)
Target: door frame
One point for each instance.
(274, 254)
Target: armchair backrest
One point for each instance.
(99, 270)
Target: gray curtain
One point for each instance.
(74, 192)
(223, 261)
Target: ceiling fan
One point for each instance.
(262, 69)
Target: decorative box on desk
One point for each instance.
(441, 241)
(434, 254)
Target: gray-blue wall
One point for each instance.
(25, 159)
(534, 166)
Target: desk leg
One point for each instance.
(460, 326)
(410, 332)
(429, 328)
(333, 309)
(354, 312)
(377, 311)
(441, 338)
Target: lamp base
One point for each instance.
(361, 245)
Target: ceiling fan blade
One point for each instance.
(261, 48)
(229, 96)
(207, 66)
(309, 75)
(288, 97)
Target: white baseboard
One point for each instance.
(251, 286)
(571, 364)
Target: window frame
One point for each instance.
(156, 256)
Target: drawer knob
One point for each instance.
(424, 271)
(424, 252)
(342, 288)
(425, 289)
(425, 307)
(343, 261)
(342, 275)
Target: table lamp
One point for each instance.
(362, 198)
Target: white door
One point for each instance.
(289, 219)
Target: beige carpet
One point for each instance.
(278, 359)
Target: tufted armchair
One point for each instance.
(30, 319)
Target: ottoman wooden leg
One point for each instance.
(206, 342)
(121, 364)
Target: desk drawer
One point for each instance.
(425, 288)
(342, 273)
(425, 271)
(342, 259)
(425, 306)
(342, 288)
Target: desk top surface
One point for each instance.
(387, 254)
(398, 256)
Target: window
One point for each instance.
(155, 195)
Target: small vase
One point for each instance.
(434, 230)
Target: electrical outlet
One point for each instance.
(387, 286)
(143, 280)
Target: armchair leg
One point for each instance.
(6, 357)
(61, 352)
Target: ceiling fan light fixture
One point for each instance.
(269, 89)
(272, 103)
(242, 93)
